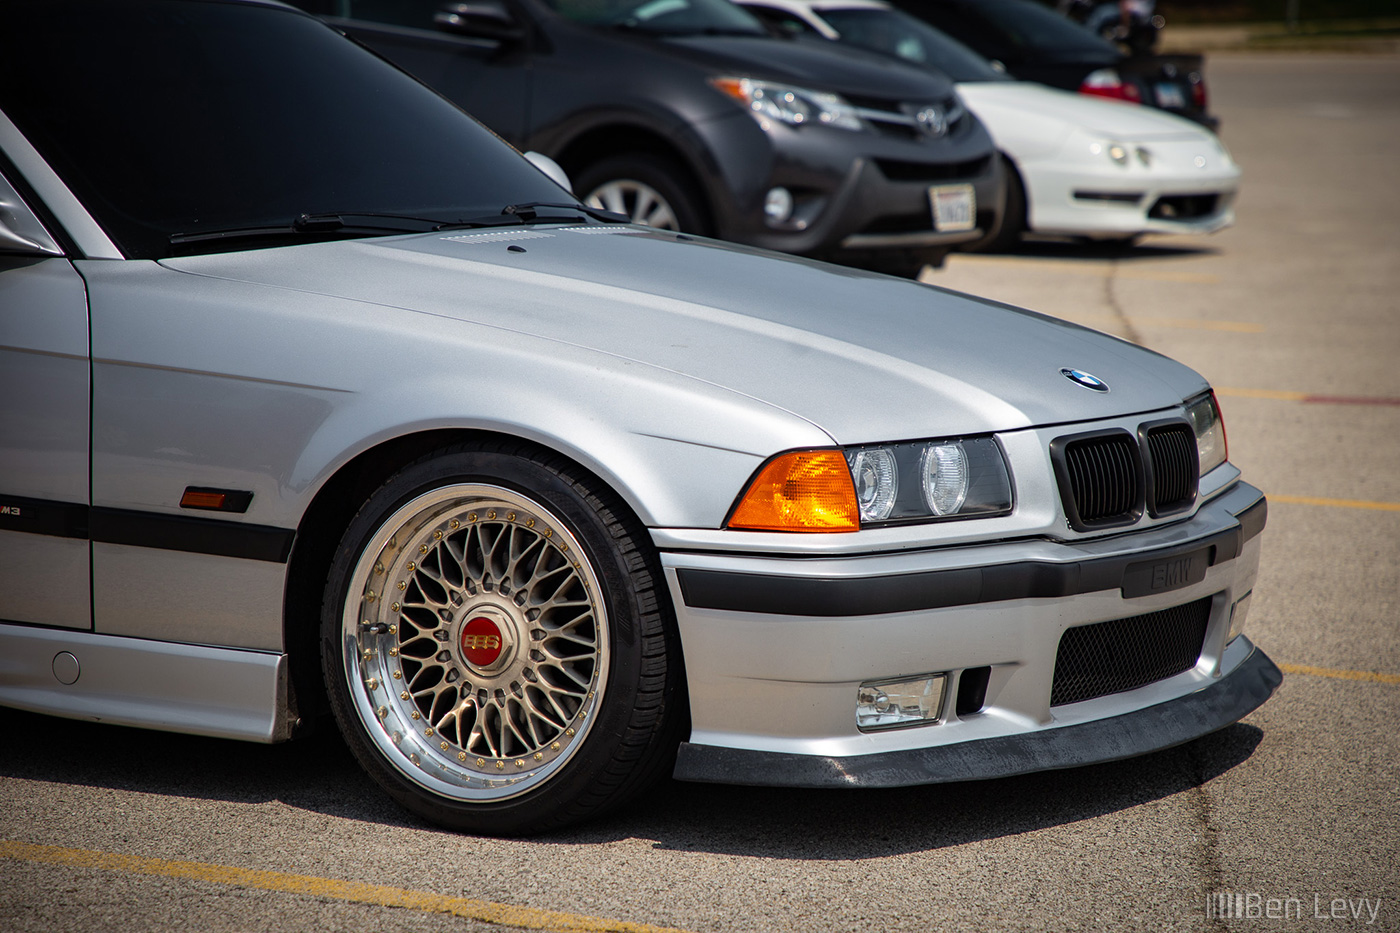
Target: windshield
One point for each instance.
(1028, 25)
(892, 32)
(176, 119)
(663, 17)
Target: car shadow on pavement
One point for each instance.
(315, 773)
(1100, 250)
(783, 823)
(318, 774)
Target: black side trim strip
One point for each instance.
(146, 529)
(1136, 733)
(196, 535)
(1137, 574)
(43, 517)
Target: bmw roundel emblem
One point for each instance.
(1087, 380)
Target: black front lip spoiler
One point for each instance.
(1164, 725)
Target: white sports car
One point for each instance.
(1077, 165)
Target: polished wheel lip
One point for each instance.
(372, 625)
(642, 203)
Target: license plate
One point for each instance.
(1170, 95)
(954, 207)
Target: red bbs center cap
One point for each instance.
(481, 642)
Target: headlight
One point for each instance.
(877, 482)
(792, 105)
(1211, 446)
(882, 484)
(945, 478)
(1115, 151)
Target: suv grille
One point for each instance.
(1111, 657)
(900, 170)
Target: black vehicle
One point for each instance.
(688, 115)
(1035, 43)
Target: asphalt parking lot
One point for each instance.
(1292, 314)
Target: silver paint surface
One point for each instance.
(134, 682)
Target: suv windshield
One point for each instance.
(893, 32)
(664, 17)
(175, 119)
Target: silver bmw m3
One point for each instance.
(317, 399)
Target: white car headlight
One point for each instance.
(792, 105)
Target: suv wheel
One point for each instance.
(649, 189)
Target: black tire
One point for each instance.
(1013, 214)
(497, 645)
(618, 182)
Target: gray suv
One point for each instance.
(690, 116)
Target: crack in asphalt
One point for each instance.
(1110, 297)
(1208, 863)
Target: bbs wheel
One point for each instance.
(494, 648)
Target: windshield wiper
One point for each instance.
(373, 223)
(312, 225)
(529, 212)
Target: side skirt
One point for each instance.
(222, 692)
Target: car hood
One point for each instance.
(995, 101)
(817, 64)
(865, 357)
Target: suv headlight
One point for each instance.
(792, 105)
(876, 484)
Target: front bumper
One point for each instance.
(1079, 196)
(776, 649)
(859, 195)
(1151, 729)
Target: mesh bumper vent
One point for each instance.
(1111, 657)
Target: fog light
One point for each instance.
(888, 704)
(777, 205)
(1238, 613)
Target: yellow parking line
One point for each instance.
(1337, 503)
(1262, 393)
(378, 895)
(1091, 268)
(1234, 327)
(1312, 398)
(1340, 674)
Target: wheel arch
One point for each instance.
(624, 138)
(323, 524)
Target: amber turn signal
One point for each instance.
(806, 490)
